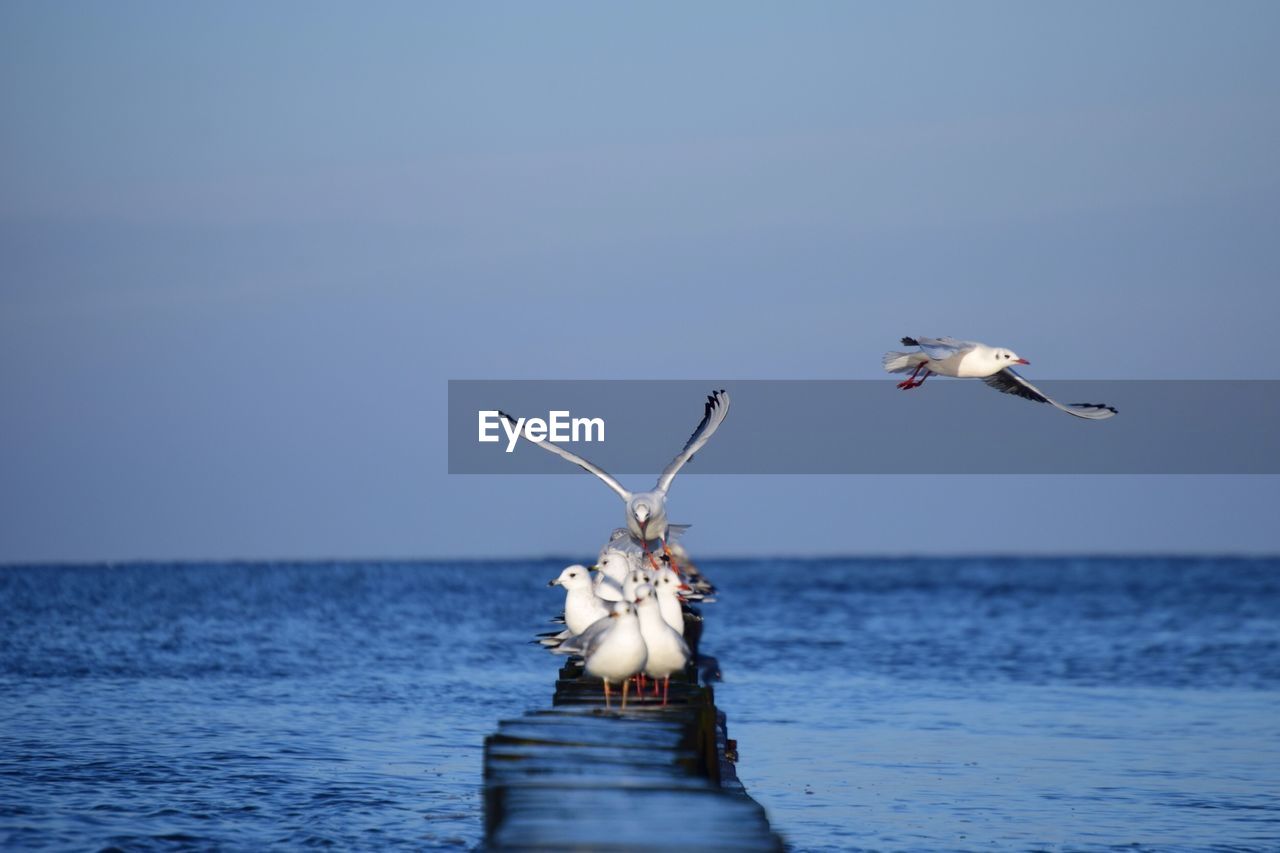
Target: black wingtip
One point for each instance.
(713, 402)
(910, 342)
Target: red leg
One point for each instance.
(653, 562)
(607, 704)
(625, 685)
(910, 381)
(666, 687)
(927, 374)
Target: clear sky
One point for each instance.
(244, 246)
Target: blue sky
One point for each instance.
(243, 248)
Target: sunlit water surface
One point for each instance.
(942, 704)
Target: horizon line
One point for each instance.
(727, 558)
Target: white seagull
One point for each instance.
(666, 588)
(647, 511)
(613, 649)
(667, 651)
(973, 360)
(582, 606)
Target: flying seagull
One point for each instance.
(647, 511)
(973, 360)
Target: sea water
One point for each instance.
(877, 704)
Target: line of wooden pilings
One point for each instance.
(578, 776)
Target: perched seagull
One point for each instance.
(972, 360)
(582, 606)
(666, 586)
(613, 649)
(647, 511)
(667, 651)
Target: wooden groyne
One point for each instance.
(579, 777)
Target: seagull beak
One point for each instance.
(684, 587)
(555, 582)
(1022, 361)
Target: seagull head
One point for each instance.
(571, 577)
(614, 564)
(668, 580)
(634, 579)
(647, 515)
(1006, 357)
(640, 515)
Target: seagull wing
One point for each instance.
(588, 641)
(575, 459)
(1008, 381)
(717, 406)
(939, 349)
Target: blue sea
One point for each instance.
(1007, 704)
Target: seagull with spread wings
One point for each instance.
(647, 511)
(970, 359)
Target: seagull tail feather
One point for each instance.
(901, 362)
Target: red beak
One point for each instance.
(1022, 361)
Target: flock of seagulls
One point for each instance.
(625, 615)
(640, 635)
